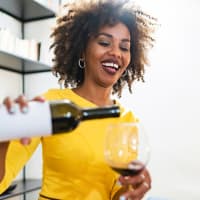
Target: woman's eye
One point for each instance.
(125, 48)
(104, 43)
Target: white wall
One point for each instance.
(168, 103)
(14, 25)
(12, 82)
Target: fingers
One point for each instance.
(139, 184)
(21, 101)
(39, 98)
(136, 179)
(9, 104)
(136, 194)
(132, 180)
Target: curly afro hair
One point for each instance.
(83, 20)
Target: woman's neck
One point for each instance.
(100, 96)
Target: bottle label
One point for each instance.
(36, 122)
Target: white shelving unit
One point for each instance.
(23, 11)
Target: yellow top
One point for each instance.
(73, 163)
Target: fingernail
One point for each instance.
(146, 184)
(12, 110)
(25, 110)
(142, 176)
(122, 198)
(126, 177)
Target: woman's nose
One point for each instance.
(115, 51)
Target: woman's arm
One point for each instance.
(3, 151)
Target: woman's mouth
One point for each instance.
(110, 67)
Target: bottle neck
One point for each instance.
(101, 112)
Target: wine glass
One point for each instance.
(127, 149)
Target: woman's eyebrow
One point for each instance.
(110, 36)
(105, 34)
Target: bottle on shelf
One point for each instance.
(48, 118)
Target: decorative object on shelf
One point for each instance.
(19, 54)
(22, 47)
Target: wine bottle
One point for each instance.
(48, 118)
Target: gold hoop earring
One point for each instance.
(81, 63)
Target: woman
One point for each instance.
(99, 48)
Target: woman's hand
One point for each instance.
(23, 105)
(136, 186)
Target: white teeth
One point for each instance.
(111, 65)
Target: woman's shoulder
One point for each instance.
(69, 94)
(58, 94)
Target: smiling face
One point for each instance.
(107, 55)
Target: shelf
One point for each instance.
(25, 10)
(20, 64)
(23, 187)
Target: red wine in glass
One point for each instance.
(132, 169)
